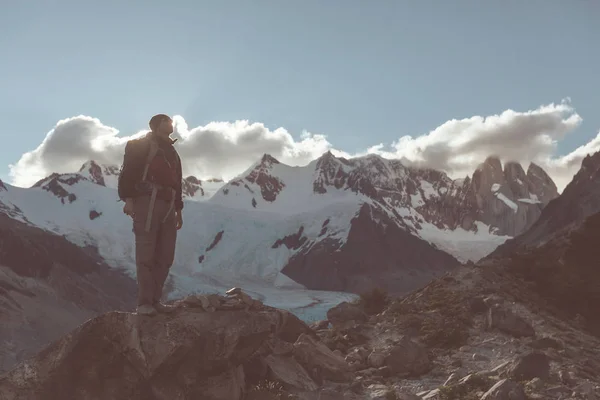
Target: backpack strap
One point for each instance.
(152, 151)
(151, 154)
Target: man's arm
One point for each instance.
(129, 174)
(179, 195)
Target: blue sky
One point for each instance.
(359, 72)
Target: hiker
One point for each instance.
(150, 186)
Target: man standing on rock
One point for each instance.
(150, 186)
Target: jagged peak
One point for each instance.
(268, 159)
(535, 170)
(86, 166)
(591, 160)
(494, 162)
(2, 185)
(514, 168)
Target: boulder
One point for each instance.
(508, 322)
(505, 390)
(319, 361)
(531, 365)
(408, 358)
(287, 370)
(345, 315)
(179, 356)
(184, 355)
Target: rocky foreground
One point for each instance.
(454, 339)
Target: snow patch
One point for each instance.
(533, 199)
(495, 187)
(428, 190)
(507, 201)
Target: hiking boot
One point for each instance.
(146, 309)
(164, 308)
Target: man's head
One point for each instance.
(161, 124)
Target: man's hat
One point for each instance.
(157, 119)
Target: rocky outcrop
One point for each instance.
(377, 253)
(56, 184)
(208, 348)
(507, 199)
(2, 186)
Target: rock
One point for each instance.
(187, 354)
(558, 390)
(401, 395)
(566, 377)
(255, 370)
(585, 389)
(529, 366)
(493, 301)
(477, 305)
(319, 325)
(479, 357)
(408, 358)
(280, 347)
(453, 378)
(508, 322)
(376, 359)
(505, 390)
(545, 342)
(356, 386)
(287, 370)
(315, 356)
(432, 395)
(536, 384)
(380, 392)
(500, 368)
(292, 327)
(357, 354)
(233, 291)
(384, 372)
(338, 353)
(457, 363)
(345, 315)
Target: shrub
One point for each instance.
(374, 301)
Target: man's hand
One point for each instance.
(128, 207)
(178, 219)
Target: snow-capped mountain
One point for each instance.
(492, 205)
(278, 231)
(275, 222)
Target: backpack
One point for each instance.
(151, 153)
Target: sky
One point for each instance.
(434, 83)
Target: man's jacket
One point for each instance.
(164, 168)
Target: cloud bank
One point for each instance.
(224, 149)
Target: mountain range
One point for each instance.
(301, 238)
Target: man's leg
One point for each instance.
(165, 252)
(145, 248)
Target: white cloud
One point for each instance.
(224, 149)
(219, 149)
